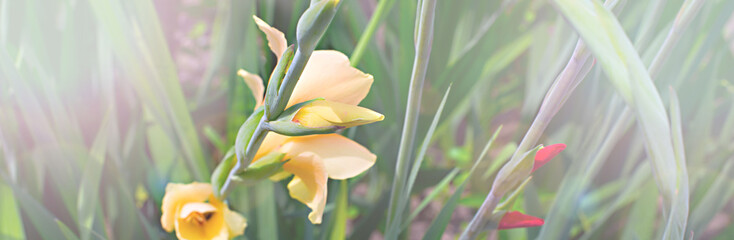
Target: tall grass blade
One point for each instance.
(438, 225)
(267, 222)
(680, 201)
(720, 191)
(641, 222)
(88, 195)
(68, 234)
(405, 198)
(38, 215)
(424, 38)
(377, 17)
(607, 40)
(339, 230)
(144, 56)
(437, 189)
(11, 224)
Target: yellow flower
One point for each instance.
(194, 212)
(315, 158)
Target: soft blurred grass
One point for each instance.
(101, 106)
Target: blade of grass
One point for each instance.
(641, 221)
(553, 228)
(224, 38)
(541, 72)
(682, 198)
(377, 17)
(650, 19)
(502, 157)
(339, 230)
(713, 201)
(68, 234)
(607, 40)
(267, 224)
(438, 225)
(499, 61)
(425, 21)
(405, 196)
(123, 196)
(11, 224)
(89, 188)
(4, 22)
(39, 216)
(144, 57)
(439, 188)
(635, 187)
(479, 33)
(213, 137)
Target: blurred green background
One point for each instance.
(104, 102)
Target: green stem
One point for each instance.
(380, 12)
(252, 146)
(311, 28)
(289, 82)
(482, 217)
(424, 24)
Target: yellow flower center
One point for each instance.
(197, 211)
(199, 218)
(201, 215)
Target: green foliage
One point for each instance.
(102, 103)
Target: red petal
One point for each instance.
(545, 154)
(516, 219)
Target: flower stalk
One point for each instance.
(574, 72)
(311, 27)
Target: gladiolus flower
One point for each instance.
(194, 212)
(316, 158)
(517, 219)
(544, 155)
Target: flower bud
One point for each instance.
(510, 200)
(244, 135)
(313, 23)
(514, 172)
(276, 78)
(311, 27)
(263, 168)
(320, 116)
(221, 172)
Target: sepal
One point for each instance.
(263, 168)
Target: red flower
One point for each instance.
(544, 155)
(516, 219)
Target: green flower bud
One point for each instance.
(313, 23)
(510, 201)
(311, 27)
(261, 169)
(244, 135)
(221, 172)
(276, 78)
(514, 172)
